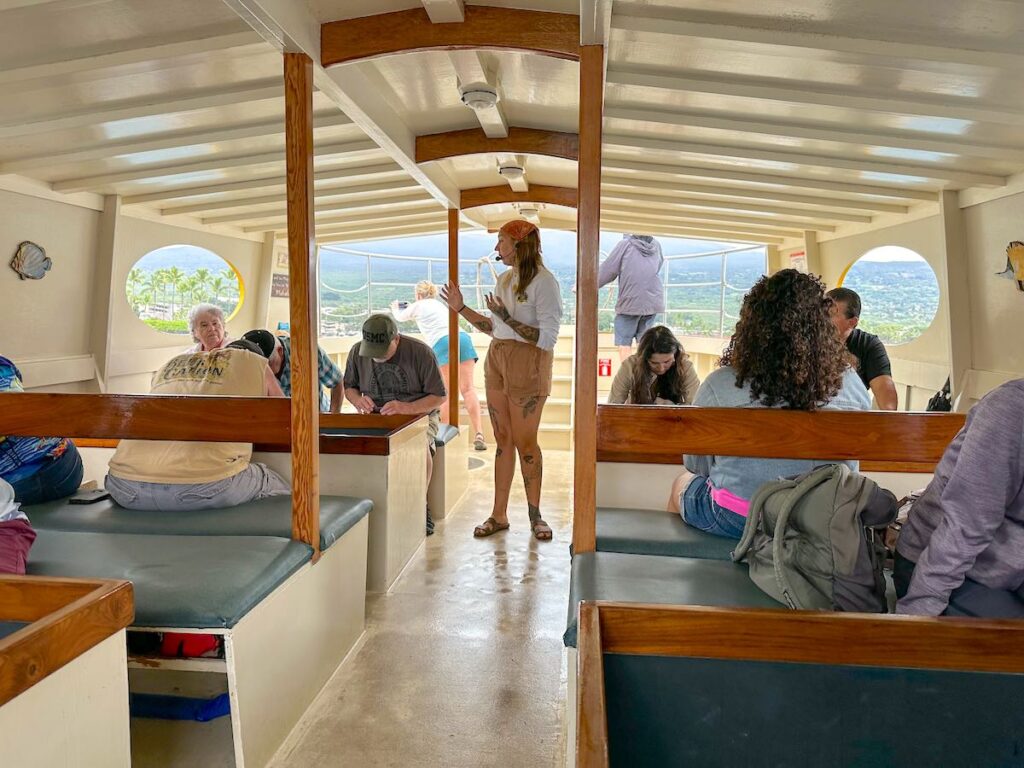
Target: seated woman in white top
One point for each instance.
(784, 353)
(659, 373)
(526, 313)
(431, 317)
(208, 327)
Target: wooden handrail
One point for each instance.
(68, 617)
(812, 637)
(661, 435)
(97, 419)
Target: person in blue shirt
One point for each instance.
(40, 469)
(784, 353)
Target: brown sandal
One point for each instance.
(489, 527)
(541, 530)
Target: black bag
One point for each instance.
(940, 401)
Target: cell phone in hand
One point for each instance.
(89, 497)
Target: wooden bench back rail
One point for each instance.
(163, 417)
(966, 645)
(660, 435)
(68, 617)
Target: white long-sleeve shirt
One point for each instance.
(431, 318)
(541, 307)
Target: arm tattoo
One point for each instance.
(483, 324)
(528, 332)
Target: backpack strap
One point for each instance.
(805, 486)
(754, 513)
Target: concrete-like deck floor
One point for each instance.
(462, 662)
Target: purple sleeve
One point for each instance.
(986, 478)
(610, 267)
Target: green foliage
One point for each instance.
(167, 326)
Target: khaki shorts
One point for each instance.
(433, 427)
(518, 369)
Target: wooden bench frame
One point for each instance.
(74, 634)
(780, 636)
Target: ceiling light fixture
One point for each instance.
(478, 96)
(512, 172)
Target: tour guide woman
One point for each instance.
(526, 311)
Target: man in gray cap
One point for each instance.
(390, 373)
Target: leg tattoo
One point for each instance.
(529, 407)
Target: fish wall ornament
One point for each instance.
(30, 261)
(1014, 264)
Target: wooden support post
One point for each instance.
(453, 320)
(812, 251)
(304, 302)
(954, 281)
(588, 242)
(104, 290)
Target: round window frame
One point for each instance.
(188, 334)
(843, 275)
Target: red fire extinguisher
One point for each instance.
(604, 366)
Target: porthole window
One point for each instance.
(166, 283)
(899, 293)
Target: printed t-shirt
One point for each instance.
(410, 375)
(223, 372)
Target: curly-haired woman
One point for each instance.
(784, 353)
(659, 373)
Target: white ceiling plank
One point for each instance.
(914, 141)
(445, 11)
(53, 5)
(387, 232)
(915, 170)
(322, 195)
(618, 192)
(373, 222)
(288, 25)
(754, 177)
(394, 204)
(408, 190)
(787, 31)
(595, 21)
(171, 140)
(817, 94)
(147, 106)
(320, 179)
(359, 146)
(666, 212)
(621, 180)
(134, 52)
(664, 229)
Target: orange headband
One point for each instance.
(517, 229)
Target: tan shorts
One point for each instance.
(518, 369)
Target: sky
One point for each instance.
(891, 253)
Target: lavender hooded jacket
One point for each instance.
(636, 261)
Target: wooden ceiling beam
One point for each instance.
(520, 141)
(357, 147)
(484, 27)
(765, 154)
(538, 193)
(777, 180)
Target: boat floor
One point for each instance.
(461, 664)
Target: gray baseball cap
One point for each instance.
(378, 333)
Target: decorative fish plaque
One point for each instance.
(30, 261)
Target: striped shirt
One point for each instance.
(329, 373)
(21, 457)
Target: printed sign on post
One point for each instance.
(279, 286)
(604, 366)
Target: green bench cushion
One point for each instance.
(265, 517)
(10, 627)
(193, 582)
(659, 580)
(652, 532)
(445, 434)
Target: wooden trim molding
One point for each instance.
(68, 617)
(520, 141)
(592, 730)
(484, 27)
(537, 193)
(454, 358)
(661, 435)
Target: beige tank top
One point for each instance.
(220, 372)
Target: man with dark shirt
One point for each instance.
(390, 373)
(872, 360)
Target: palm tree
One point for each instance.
(217, 288)
(175, 277)
(202, 276)
(151, 287)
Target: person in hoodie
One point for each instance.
(636, 263)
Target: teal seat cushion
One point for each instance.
(195, 582)
(10, 627)
(265, 517)
(659, 580)
(445, 434)
(651, 532)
